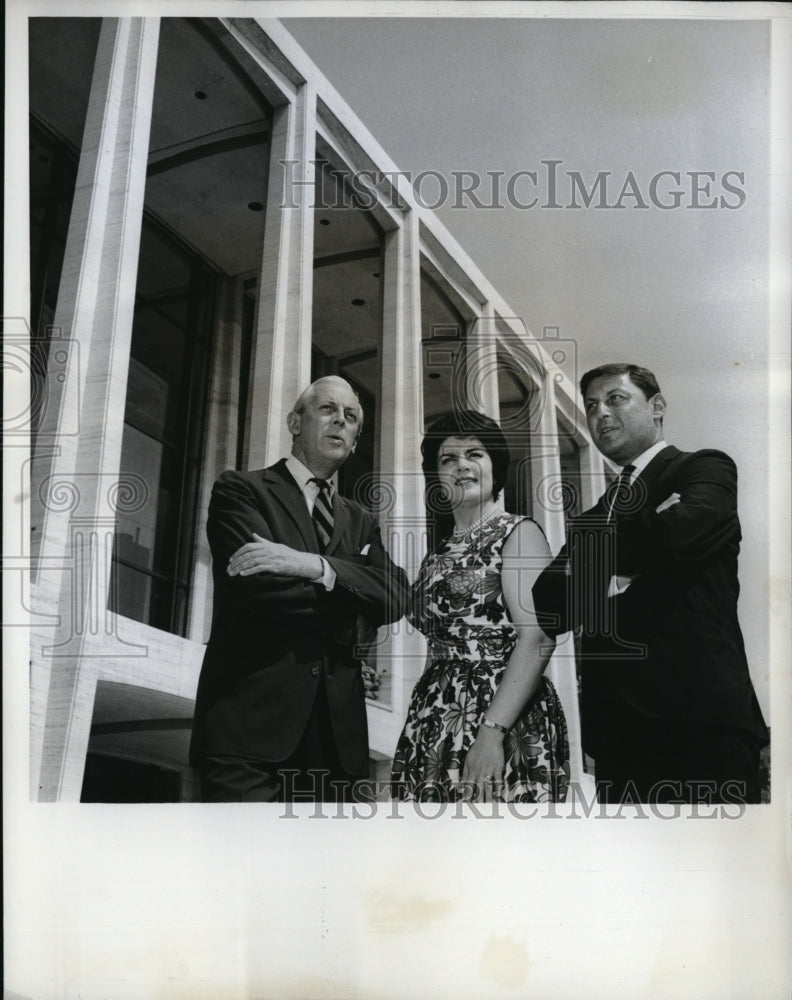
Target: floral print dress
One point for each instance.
(457, 602)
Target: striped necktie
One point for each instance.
(322, 513)
(619, 492)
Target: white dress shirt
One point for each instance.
(640, 463)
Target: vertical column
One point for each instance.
(401, 430)
(94, 311)
(481, 369)
(546, 465)
(282, 349)
(221, 441)
(549, 512)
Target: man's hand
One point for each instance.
(263, 556)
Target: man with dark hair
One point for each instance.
(648, 579)
(299, 574)
(641, 377)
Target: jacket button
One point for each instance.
(315, 671)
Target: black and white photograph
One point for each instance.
(396, 500)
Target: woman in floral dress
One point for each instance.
(484, 722)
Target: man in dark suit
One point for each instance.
(299, 574)
(648, 580)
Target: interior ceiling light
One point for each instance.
(358, 302)
(255, 206)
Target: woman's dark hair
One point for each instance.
(458, 423)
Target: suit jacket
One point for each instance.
(274, 637)
(670, 646)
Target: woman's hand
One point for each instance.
(485, 764)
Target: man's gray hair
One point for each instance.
(306, 394)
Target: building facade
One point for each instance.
(211, 228)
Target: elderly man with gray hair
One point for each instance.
(280, 711)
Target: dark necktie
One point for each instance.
(619, 493)
(322, 513)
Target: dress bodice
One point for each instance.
(457, 598)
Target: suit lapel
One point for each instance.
(652, 476)
(651, 479)
(288, 494)
(285, 490)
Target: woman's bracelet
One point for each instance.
(494, 725)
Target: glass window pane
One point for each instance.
(136, 533)
(163, 273)
(144, 598)
(130, 590)
(147, 399)
(443, 331)
(516, 417)
(155, 401)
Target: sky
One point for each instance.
(681, 290)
